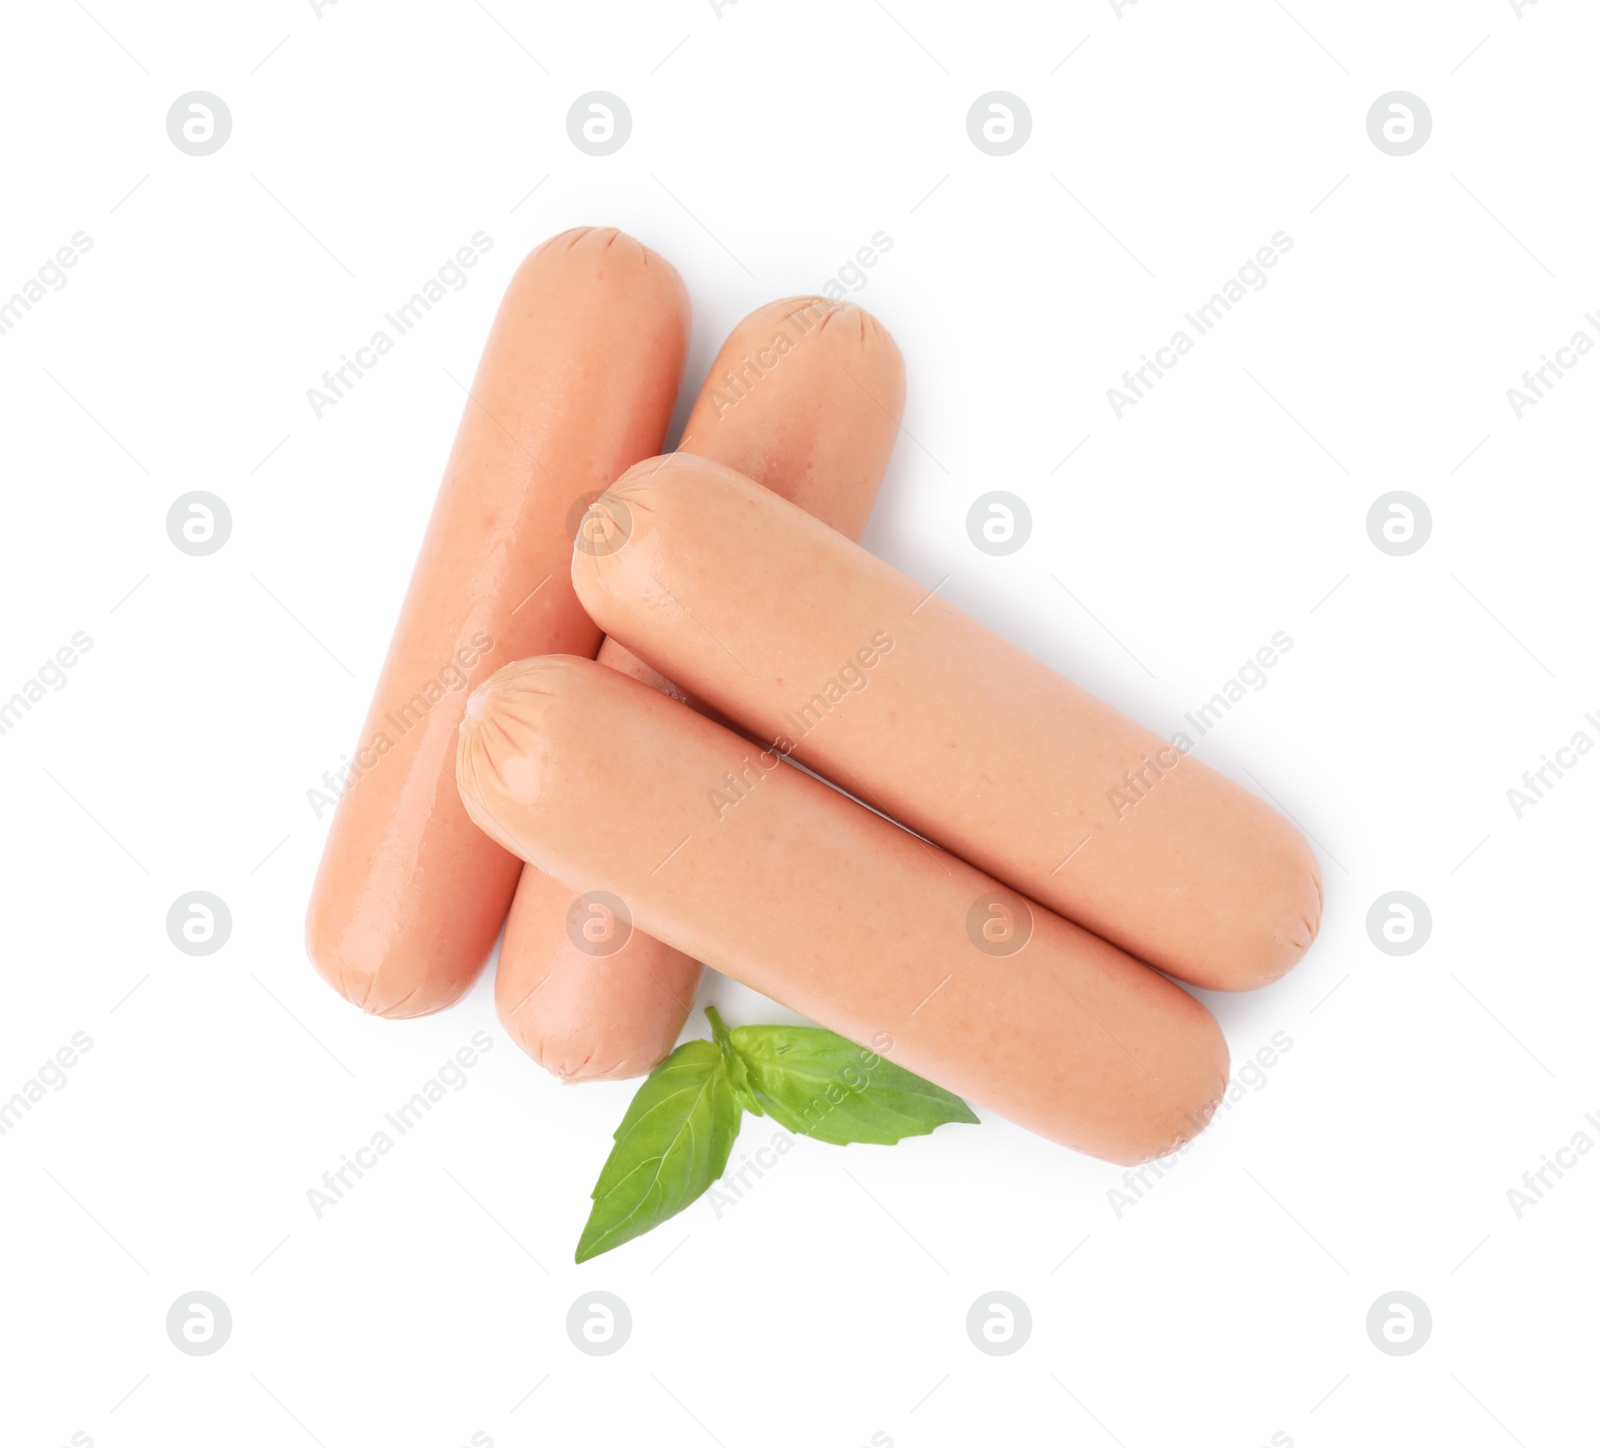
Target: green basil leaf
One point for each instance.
(818, 1084)
(673, 1143)
(738, 1072)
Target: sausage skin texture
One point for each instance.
(577, 381)
(606, 784)
(804, 398)
(799, 635)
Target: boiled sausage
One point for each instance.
(577, 381)
(800, 892)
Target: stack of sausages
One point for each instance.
(993, 921)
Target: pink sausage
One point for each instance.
(798, 635)
(800, 892)
(577, 381)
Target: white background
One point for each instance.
(1169, 143)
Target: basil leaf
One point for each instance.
(818, 1084)
(738, 1072)
(672, 1144)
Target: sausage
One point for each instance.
(798, 891)
(875, 682)
(577, 381)
(804, 398)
